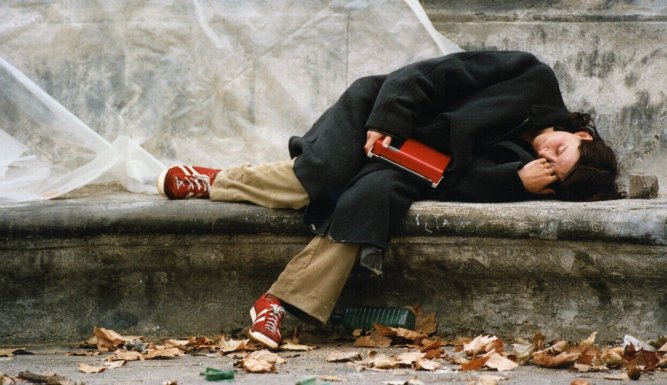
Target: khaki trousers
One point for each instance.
(313, 279)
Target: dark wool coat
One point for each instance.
(471, 105)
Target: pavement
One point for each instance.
(299, 366)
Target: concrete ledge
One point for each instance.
(141, 264)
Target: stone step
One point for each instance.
(142, 265)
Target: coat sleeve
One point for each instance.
(487, 181)
(439, 84)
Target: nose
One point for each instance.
(546, 154)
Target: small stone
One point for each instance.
(643, 186)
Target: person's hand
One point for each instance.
(537, 175)
(372, 136)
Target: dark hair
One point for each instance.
(593, 177)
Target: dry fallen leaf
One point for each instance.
(228, 346)
(383, 361)
(543, 358)
(475, 364)
(523, 352)
(612, 357)
(331, 378)
(297, 347)
(51, 379)
(586, 344)
(121, 355)
(408, 334)
(487, 380)
(617, 377)
(114, 364)
(252, 365)
(478, 345)
(374, 340)
(579, 381)
(425, 364)
(424, 323)
(500, 363)
(408, 358)
(265, 355)
(108, 340)
(558, 347)
(85, 368)
(181, 344)
(343, 356)
(163, 353)
(83, 353)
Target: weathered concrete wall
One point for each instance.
(139, 265)
(610, 57)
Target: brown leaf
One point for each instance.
(408, 334)
(426, 364)
(331, 378)
(500, 363)
(579, 381)
(374, 340)
(121, 355)
(523, 352)
(83, 353)
(7, 380)
(663, 348)
(586, 344)
(180, 344)
(114, 364)
(252, 365)
(228, 346)
(108, 340)
(617, 377)
(297, 348)
(51, 379)
(163, 353)
(478, 345)
(434, 353)
(266, 355)
(424, 323)
(488, 380)
(85, 368)
(612, 357)
(343, 356)
(408, 358)
(558, 347)
(383, 361)
(543, 358)
(475, 364)
(538, 341)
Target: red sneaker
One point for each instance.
(180, 182)
(267, 314)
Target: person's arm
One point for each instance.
(432, 85)
(488, 181)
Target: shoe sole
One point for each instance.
(259, 337)
(160, 182)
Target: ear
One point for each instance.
(584, 135)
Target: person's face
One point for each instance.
(560, 149)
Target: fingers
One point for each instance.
(371, 138)
(386, 142)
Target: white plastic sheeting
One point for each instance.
(213, 83)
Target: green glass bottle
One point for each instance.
(363, 317)
(212, 374)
